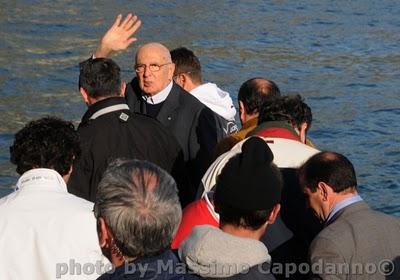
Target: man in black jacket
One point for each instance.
(153, 92)
(110, 130)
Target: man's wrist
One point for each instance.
(101, 51)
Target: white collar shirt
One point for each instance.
(158, 97)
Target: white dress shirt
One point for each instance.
(159, 96)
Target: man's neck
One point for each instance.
(92, 100)
(119, 260)
(341, 197)
(191, 86)
(246, 118)
(242, 232)
(340, 201)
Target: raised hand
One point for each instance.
(119, 36)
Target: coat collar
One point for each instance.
(278, 129)
(250, 124)
(99, 105)
(41, 178)
(348, 210)
(171, 104)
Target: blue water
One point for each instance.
(342, 56)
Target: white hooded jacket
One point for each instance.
(216, 99)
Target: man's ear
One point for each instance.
(171, 70)
(123, 88)
(303, 132)
(85, 95)
(242, 112)
(183, 80)
(324, 190)
(104, 233)
(274, 213)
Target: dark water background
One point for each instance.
(342, 56)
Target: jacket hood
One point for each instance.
(216, 99)
(210, 252)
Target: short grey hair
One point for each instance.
(139, 203)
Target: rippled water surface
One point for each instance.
(342, 56)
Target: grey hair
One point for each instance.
(139, 203)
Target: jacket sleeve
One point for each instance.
(206, 140)
(187, 191)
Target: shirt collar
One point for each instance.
(158, 97)
(39, 178)
(344, 203)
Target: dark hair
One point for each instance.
(100, 77)
(299, 111)
(186, 62)
(286, 108)
(274, 110)
(45, 143)
(247, 219)
(331, 168)
(255, 92)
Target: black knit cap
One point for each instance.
(250, 181)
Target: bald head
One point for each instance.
(154, 68)
(331, 168)
(155, 48)
(252, 94)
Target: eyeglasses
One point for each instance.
(140, 68)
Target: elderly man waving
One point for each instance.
(153, 92)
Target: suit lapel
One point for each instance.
(168, 111)
(133, 96)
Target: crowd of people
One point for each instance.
(159, 182)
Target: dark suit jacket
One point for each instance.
(193, 125)
(357, 235)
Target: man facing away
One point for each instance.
(188, 75)
(247, 198)
(279, 129)
(138, 212)
(43, 227)
(356, 242)
(252, 94)
(153, 92)
(109, 130)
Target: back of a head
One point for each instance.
(274, 110)
(186, 62)
(299, 110)
(100, 77)
(286, 108)
(248, 187)
(45, 143)
(256, 91)
(139, 202)
(331, 168)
